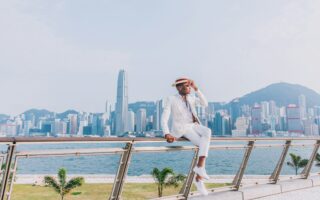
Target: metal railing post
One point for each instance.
(276, 172)
(13, 174)
(6, 174)
(185, 190)
(238, 178)
(306, 171)
(122, 172)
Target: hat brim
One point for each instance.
(179, 82)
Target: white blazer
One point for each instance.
(173, 107)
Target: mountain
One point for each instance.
(66, 113)
(283, 94)
(37, 113)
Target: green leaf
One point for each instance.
(73, 183)
(62, 177)
(50, 181)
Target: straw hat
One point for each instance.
(180, 80)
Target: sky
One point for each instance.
(60, 55)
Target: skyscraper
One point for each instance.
(303, 106)
(141, 120)
(265, 110)
(131, 121)
(73, 124)
(234, 111)
(256, 119)
(108, 109)
(157, 115)
(293, 119)
(221, 124)
(122, 104)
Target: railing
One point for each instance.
(11, 157)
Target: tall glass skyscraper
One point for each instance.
(122, 104)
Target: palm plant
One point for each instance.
(296, 162)
(62, 186)
(166, 177)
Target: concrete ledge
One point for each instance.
(260, 191)
(263, 190)
(295, 184)
(227, 195)
(315, 180)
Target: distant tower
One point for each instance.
(265, 109)
(234, 111)
(73, 122)
(108, 109)
(303, 106)
(131, 121)
(141, 120)
(121, 104)
(256, 119)
(158, 114)
(293, 119)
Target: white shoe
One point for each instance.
(201, 171)
(201, 187)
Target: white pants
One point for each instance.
(200, 136)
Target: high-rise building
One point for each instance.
(241, 127)
(94, 124)
(141, 120)
(131, 121)
(121, 110)
(265, 111)
(310, 127)
(273, 108)
(293, 119)
(82, 124)
(73, 124)
(27, 125)
(245, 110)
(256, 120)
(157, 115)
(303, 107)
(108, 109)
(234, 111)
(56, 126)
(221, 124)
(202, 115)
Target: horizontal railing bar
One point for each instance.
(124, 139)
(56, 152)
(96, 151)
(163, 149)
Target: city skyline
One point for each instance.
(266, 115)
(108, 107)
(264, 118)
(228, 48)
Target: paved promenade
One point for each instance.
(307, 194)
(292, 189)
